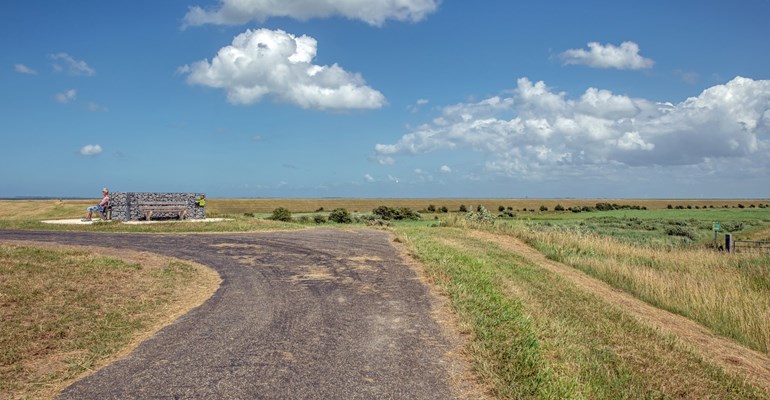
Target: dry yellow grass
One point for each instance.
(67, 311)
(728, 293)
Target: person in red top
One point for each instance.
(99, 207)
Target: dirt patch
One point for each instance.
(752, 365)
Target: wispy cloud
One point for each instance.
(626, 56)
(66, 96)
(417, 105)
(93, 107)
(63, 62)
(91, 150)
(266, 63)
(373, 12)
(23, 69)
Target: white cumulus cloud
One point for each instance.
(66, 96)
(90, 150)
(65, 62)
(368, 178)
(23, 69)
(277, 64)
(373, 12)
(445, 169)
(626, 56)
(538, 132)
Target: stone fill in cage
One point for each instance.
(132, 206)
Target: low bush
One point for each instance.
(681, 231)
(507, 214)
(340, 216)
(319, 219)
(281, 214)
(389, 213)
(481, 215)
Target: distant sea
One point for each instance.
(43, 198)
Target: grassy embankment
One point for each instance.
(537, 335)
(66, 312)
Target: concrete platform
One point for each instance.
(99, 221)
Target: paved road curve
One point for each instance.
(312, 314)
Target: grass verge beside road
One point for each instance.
(536, 335)
(67, 311)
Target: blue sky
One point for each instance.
(408, 98)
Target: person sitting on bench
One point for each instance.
(99, 207)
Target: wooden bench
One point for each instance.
(148, 208)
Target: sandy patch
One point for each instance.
(99, 221)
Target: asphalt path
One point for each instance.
(310, 314)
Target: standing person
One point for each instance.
(99, 207)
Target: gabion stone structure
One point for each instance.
(125, 205)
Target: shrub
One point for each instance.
(384, 212)
(670, 207)
(604, 207)
(248, 215)
(558, 208)
(319, 219)
(507, 214)
(431, 208)
(500, 208)
(281, 214)
(681, 231)
(741, 206)
(463, 208)
(407, 213)
(303, 219)
(481, 215)
(543, 208)
(444, 209)
(320, 209)
(388, 213)
(340, 216)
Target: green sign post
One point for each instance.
(716, 229)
